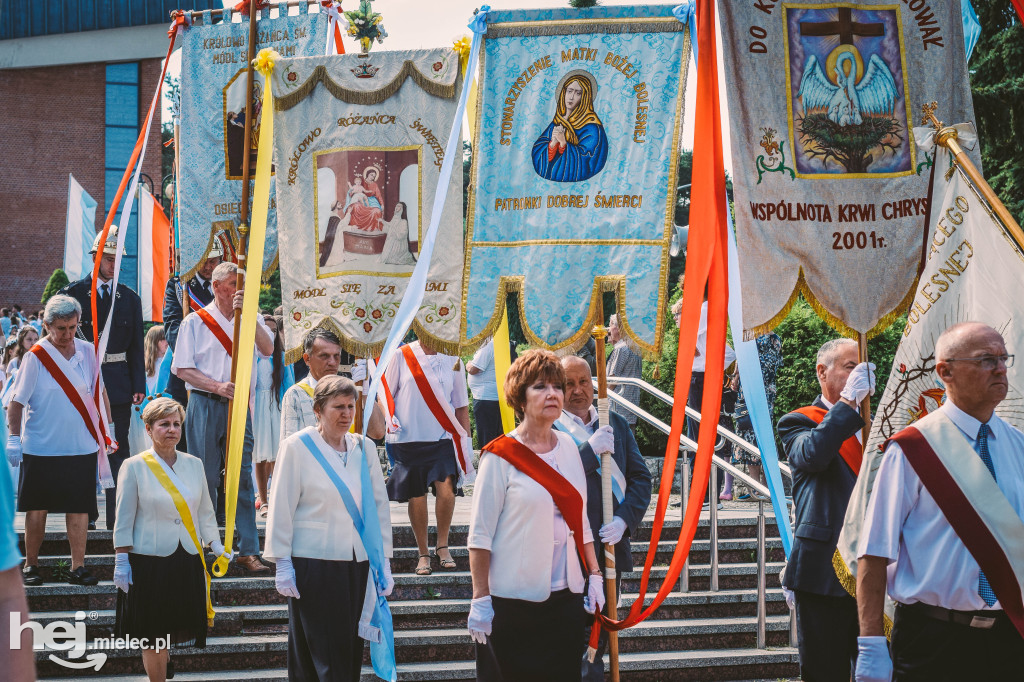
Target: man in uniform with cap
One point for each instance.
(180, 300)
(124, 367)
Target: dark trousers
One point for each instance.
(694, 400)
(487, 415)
(323, 624)
(827, 628)
(122, 414)
(594, 671)
(926, 649)
(533, 641)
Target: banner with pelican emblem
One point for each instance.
(214, 106)
(831, 193)
(359, 141)
(574, 170)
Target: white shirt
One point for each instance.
(514, 516)
(590, 425)
(483, 384)
(927, 560)
(199, 349)
(297, 408)
(702, 343)
(307, 515)
(52, 425)
(417, 422)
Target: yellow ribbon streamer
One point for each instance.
(186, 517)
(264, 63)
(502, 360)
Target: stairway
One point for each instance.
(698, 635)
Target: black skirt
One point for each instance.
(418, 466)
(323, 623)
(534, 641)
(167, 598)
(62, 484)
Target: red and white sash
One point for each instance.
(214, 326)
(970, 499)
(439, 406)
(851, 450)
(77, 391)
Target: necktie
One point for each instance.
(103, 292)
(206, 289)
(981, 445)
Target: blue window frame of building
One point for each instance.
(120, 133)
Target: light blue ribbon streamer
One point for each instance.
(418, 281)
(972, 27)
(163, 372)
(565, 426)
(382, 654)
(687, 14)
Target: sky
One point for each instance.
(415, 24)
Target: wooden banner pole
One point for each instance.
(865, 406)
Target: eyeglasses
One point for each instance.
(987, 362)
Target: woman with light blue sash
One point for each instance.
(329, 531)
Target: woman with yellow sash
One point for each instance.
(164, 519)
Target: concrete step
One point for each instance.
(438, 645)
(748, 665)
(446, 613)
(230, 591)
(736, 550)
(745, 526)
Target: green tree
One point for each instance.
(58, 280)
(270, 292)
(998, 88)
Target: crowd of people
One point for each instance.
(152, 432)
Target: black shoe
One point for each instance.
(82, 576)
(30, 576)
(92, 525)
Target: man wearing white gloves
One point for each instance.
(823, 447)
(632, 488)
(943, 530)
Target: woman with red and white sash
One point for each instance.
(61, 436)
(528, 583)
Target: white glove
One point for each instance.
(389, 582)
(359, 371)
(594, 601)
(790, 597)
(284, 580)
(612, 532)
(14, 450)
(602, 441)
(218, 549)
(481, 615)
(873, 662)
(122, 572)
(860, 384)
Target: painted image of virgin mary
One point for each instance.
(573, 147)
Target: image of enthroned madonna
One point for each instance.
(367, 209)
(574, 146)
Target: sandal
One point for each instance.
(424, 570)
(446, 564)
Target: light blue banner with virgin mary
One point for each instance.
(574, 170)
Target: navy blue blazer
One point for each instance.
(637, 496)
(122, 378)
(822, 484)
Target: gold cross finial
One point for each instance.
(928, 116)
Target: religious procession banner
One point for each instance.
(360, 142)
(970, 265)
(574, 170)
(831, 195)
(214, 107)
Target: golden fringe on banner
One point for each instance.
(585, 26)
(849, 583)
(372, 350)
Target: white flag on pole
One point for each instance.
(79, 232)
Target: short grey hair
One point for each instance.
(61, 307)
(319, 333)
(829, 351)
(224, 271)
(613, 321)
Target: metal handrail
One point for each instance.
(688, 445)
(695, 415)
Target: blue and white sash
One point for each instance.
(567, 424)
(378, 630)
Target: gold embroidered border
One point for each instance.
(849, 583)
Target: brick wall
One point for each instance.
(53, 124)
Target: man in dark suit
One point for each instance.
(179, 300)
(124, 365)
(813, 438)
(580, 420)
